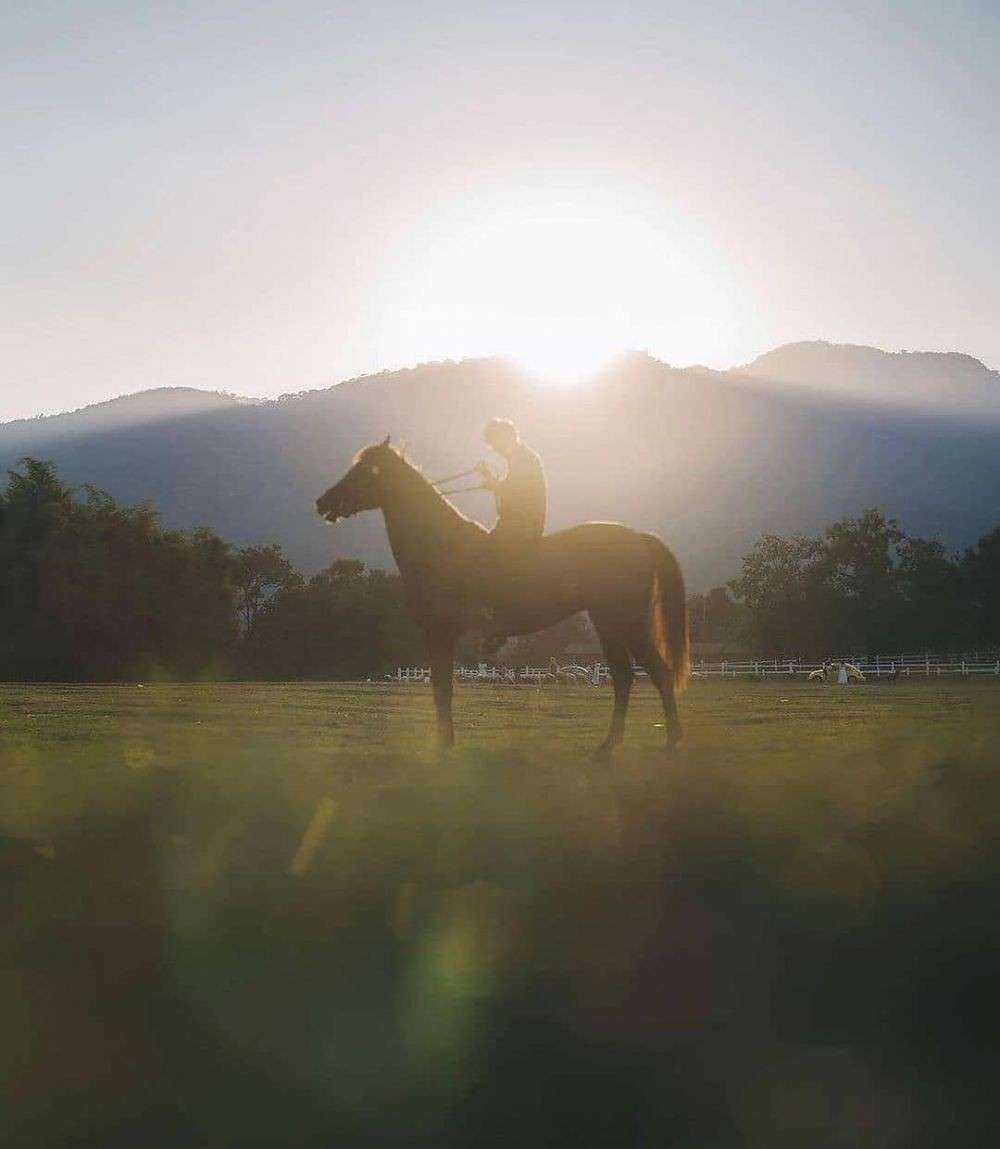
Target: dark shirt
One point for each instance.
(521, 496)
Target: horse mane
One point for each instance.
(413, 472)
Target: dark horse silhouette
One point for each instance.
(629, 583)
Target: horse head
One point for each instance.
(361, 488)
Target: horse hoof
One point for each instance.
(602, 753)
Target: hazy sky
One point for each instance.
(264, 197)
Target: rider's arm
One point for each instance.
(491, 481)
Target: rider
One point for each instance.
(520, 500)
(520, 496)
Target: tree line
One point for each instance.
(91, 590)
(862, 587)
(94, 591)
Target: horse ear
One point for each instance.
(385, 441)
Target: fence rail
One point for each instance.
(880, 667)
(487, 673)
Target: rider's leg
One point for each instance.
(506, 549)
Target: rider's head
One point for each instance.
(501, 435)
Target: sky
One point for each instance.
(266, 198)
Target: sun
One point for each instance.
(560, 281)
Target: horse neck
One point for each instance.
(420, 522)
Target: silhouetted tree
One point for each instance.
(858, 563)
(979, 573)
(345, 622)
(34, 509)
(866, 587)
(92, 590)
(259, 573)
(934, 615)
(785, 589)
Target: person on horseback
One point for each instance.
(520, 495)
(520, 500)
(629, 582)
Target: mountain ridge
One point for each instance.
(123, 410)
(933, 379)
(828, 345)
(709, 460)
(770, 366)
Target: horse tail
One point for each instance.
(668, 620)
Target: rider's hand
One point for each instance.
(485, 472)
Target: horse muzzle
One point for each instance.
(327, 509)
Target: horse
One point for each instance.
(629, 583)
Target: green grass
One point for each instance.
(784, 935)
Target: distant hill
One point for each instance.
(944, 381)
(707, 459)
(157, 405)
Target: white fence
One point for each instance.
(592, 675)
(891, 666)
(880, 667)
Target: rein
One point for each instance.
(462, 490)
(439, 483)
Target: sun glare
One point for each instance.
(559, 282)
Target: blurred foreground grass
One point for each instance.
(788, 934)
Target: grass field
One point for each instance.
(787, 934)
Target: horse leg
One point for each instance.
(442, 656)
(620, 665)
(662, 677)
